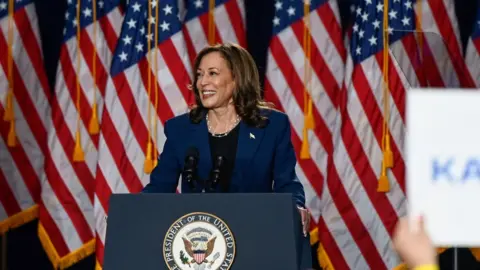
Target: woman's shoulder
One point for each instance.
(274, 116)
(178, 122)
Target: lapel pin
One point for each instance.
(252, 136)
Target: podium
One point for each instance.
(205, 231)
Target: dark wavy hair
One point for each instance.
(247, 96)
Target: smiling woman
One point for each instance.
(227, 83)
(214, 81)
(230, 130)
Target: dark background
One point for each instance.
(24, 250)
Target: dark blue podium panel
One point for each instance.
(205, 231)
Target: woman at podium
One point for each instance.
(231, 140)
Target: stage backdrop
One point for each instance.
(23, 246)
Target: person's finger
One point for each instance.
(306, 223)
(302, 217)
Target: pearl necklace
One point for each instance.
(218, 135)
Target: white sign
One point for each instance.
(443, 163)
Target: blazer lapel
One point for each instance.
(199, 139)
(249, 138)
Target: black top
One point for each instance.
(225, 146)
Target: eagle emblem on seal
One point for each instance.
(199, 241)
(199, 244)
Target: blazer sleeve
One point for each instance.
(285, 179)
(164, 177)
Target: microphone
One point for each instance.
(215, 172)
(190, 167)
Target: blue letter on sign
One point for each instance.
(471, 170)
(442, 169)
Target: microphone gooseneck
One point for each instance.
(215, 173)
(190, 167)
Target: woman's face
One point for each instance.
(214, 81)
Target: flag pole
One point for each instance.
(148, 163)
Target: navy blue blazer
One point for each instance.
(265, 159)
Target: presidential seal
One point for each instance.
(199, 241)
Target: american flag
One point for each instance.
(305, 66)
(472, 56)
(66, 227)
(150, 77)
(23, 85)
(214, 21)
(371, 123)
(441, 46)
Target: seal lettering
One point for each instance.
(199, 241)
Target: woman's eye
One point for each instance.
(213, 73)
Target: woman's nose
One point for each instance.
(204, 80)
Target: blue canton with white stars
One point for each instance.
(367, 37)
(17, 5)
(476, 27)
(103, 7)
(196, 8)
(132, 45)
(290, 11)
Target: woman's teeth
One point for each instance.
(208, 93)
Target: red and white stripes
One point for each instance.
(124, 129)
(229, 25)
(21, 165)
(284, 87)
(356, 167)
(472, 55)
(66, 216)
(442, 45)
